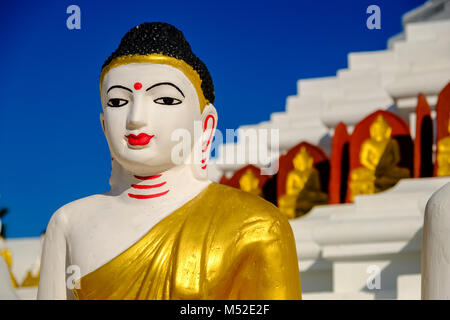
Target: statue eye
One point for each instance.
(116, 102)
(169, 101)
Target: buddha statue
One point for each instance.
(249, 182)
(164, 230)
(443, 155)
(302, 187)
(435, 262)
(379, 157)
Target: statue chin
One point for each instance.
(146, 168)
(147, 161)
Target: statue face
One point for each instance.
(380, 130)
(376, 132)
(302, 161)
(249, 181)
(143, 103)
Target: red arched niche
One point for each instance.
(423, 142)
(339, 164)
(223, 180)
(442, 117)
(321, 163)
(400, 132)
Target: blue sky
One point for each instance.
(52, 148)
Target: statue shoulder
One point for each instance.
(393, 144)
(438, 205)
(369, 145)
(231, 195)
(62, 217)
(248, 210)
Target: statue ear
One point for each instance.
(208, 125)
(102, 122)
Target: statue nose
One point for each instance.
(135, 124)
(137, 118)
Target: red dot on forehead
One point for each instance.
(138, 85)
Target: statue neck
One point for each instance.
(174, 185)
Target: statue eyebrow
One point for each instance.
(121, 87)
(166, 83)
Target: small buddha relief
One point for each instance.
(379, 156)
(249, 182)
(31, 279)
(443, 155)
(303, 189)
(32, 276)
(6, 254)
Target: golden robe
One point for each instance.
(223, 244)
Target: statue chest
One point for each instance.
(98, 236)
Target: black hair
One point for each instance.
(163, 38)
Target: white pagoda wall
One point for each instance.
(418, 61)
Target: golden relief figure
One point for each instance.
(443, 155)
(31, 280)
(302, 187)
(32, 277)
(7, 255)
(379, 156)
(243, 249)
(249, 182)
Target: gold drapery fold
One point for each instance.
(223, 244)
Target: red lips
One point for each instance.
(141, 139)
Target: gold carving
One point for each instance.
(7, 255)
(379, 156)
(30, 280)
(302, 187)
(249, 182)
(443, 155)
